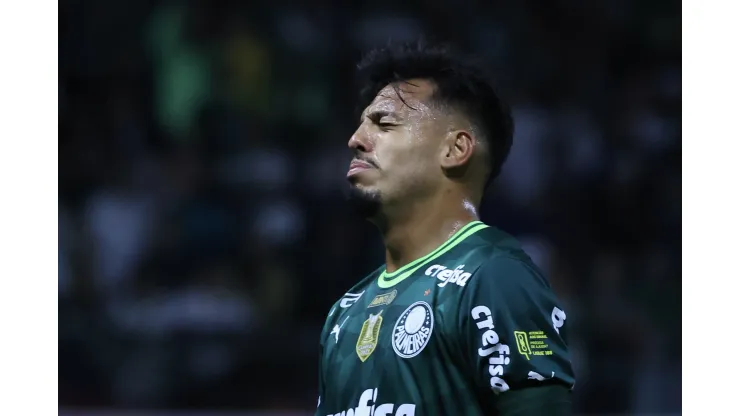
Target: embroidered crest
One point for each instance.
(368, 339)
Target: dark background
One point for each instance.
(202, 150)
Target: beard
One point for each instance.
(366, 203)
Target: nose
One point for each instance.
(359, 142)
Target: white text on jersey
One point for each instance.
(367, 404)
(497, 352)
(458, 276)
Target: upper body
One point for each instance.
(455, 333)
(487, 338)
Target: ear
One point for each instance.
(457, 149)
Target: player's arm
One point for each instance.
(513, 337)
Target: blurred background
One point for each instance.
(202, 150)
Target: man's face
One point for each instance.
(397, 146)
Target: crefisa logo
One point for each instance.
(458, 276)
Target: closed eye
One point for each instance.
(386, 126)
(377, 117)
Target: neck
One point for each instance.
(423, 226)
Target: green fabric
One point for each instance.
(471, 326)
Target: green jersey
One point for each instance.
(450, 333)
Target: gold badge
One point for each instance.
(368, 339)
(384, 299)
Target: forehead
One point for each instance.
(415, 93)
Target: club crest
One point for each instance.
(413, 330)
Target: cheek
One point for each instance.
(399, 153)
(404, 150)
(410, 162)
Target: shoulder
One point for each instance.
(510, 280)
(502, 263)
(493, 248)
(510, 270)
(348, 299)
(498, 272)
(490, 259)
(355, 293)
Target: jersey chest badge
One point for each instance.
(368, 339)
(384, 299)
(413, 330)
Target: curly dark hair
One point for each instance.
(461, 84)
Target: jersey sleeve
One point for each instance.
(513, 330)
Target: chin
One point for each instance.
(356, 184)
(365, 201)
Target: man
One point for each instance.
(459, 321)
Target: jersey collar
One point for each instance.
(387, 280)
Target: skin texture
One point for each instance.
(427, 170)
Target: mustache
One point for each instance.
(367, 160)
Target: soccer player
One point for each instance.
(458, 321)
